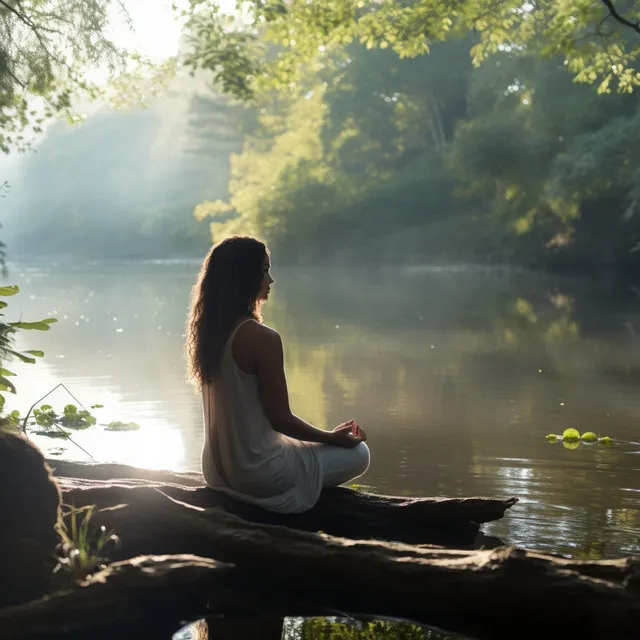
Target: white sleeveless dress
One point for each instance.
(244, 456)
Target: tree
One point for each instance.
(47, 49)
(428, 156)
(277, 40)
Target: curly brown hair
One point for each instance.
(227, 288)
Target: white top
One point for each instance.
(244, 456)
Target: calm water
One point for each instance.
(456, 374)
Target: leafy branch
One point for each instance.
(8, 330)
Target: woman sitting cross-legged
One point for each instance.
(255, 449)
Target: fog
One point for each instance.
(122, 183)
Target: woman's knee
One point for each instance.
(362, 458)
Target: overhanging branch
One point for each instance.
(616, 15)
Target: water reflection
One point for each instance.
(309, 629)
(457, 374)
(326, 629)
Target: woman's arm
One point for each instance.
(274, 395)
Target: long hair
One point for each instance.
(227, 288)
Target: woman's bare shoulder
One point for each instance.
(257, 334)
(255, 343)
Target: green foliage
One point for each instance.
(570, 434)
(122, 426)
(571, 438)
(323, 628)
(430, 159)
(71, 418)
(595, 46)
(46, 49)
(45, 421)
(84, 550)
(8, 331)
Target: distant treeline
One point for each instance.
(377, 159)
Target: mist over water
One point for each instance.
(457, 374)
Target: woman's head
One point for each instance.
(233, 282)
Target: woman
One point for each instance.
(255, 448)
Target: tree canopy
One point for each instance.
(494, 146)
(47, 50)
(403, 158)
(275, 41)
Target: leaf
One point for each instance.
(11, 290)
(51, 433)
(36, 352)
(41, 325)
(21, 356)
(5, 385)
(97, 406)
(6, 372)
(2, 401)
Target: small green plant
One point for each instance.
(84, 550)
(45, 421)
(8, 331)
(571, 438)
(571, 435)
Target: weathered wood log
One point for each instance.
(144, 592)
(502, 593)
(340, 511)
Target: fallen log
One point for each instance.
(149, 592)
(339, 511)
(501, 593)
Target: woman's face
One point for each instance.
(267, 280)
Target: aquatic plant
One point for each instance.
(571, 438)
(570, 434)
(122, 426)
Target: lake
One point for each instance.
(457, 374)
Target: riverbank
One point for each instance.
(182, 556)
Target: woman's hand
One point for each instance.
(348, 434)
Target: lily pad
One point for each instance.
(51, 433)
(122, 426)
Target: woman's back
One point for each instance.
(243, 455)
